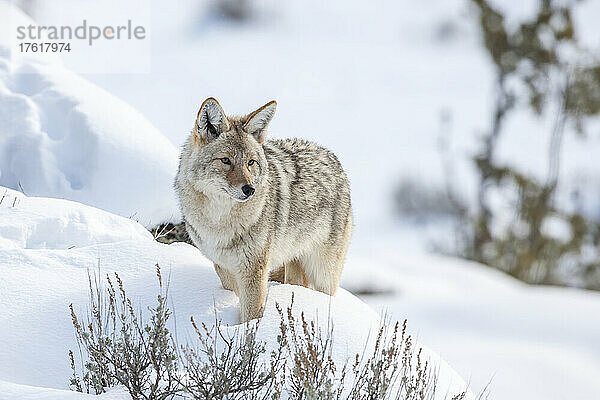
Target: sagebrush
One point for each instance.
(118, 346)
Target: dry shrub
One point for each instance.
(116, 347)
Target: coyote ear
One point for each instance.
(257, 121)
(211, 120)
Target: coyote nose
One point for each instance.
(248, 190)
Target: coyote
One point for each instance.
(277, 209)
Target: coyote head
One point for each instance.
(227, 157)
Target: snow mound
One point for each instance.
(62, 136)
(12, 391)
(48, 223)
(50, 246)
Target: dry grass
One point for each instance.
(117, 347)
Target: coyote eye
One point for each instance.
(225, 160)
(251, 163)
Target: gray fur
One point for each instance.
(297, 225)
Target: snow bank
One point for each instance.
(527, 342)
(48, 247)
(62, 136)
(12, 391)
(49, 224)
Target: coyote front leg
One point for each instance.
(227, 279)
(252, 286)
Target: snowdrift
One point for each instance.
(62, 136)
(48, 248)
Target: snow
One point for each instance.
(62, 136)
(12, 391)
(527, 342)
(369, 81)
(48, 248)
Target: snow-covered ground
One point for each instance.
(48, 248)
(527, 342)
(62, 136)
(369, 81)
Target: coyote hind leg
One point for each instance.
(294, 274)
(324, 270)
(324, 266)
(278, 274)
(291, 273)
